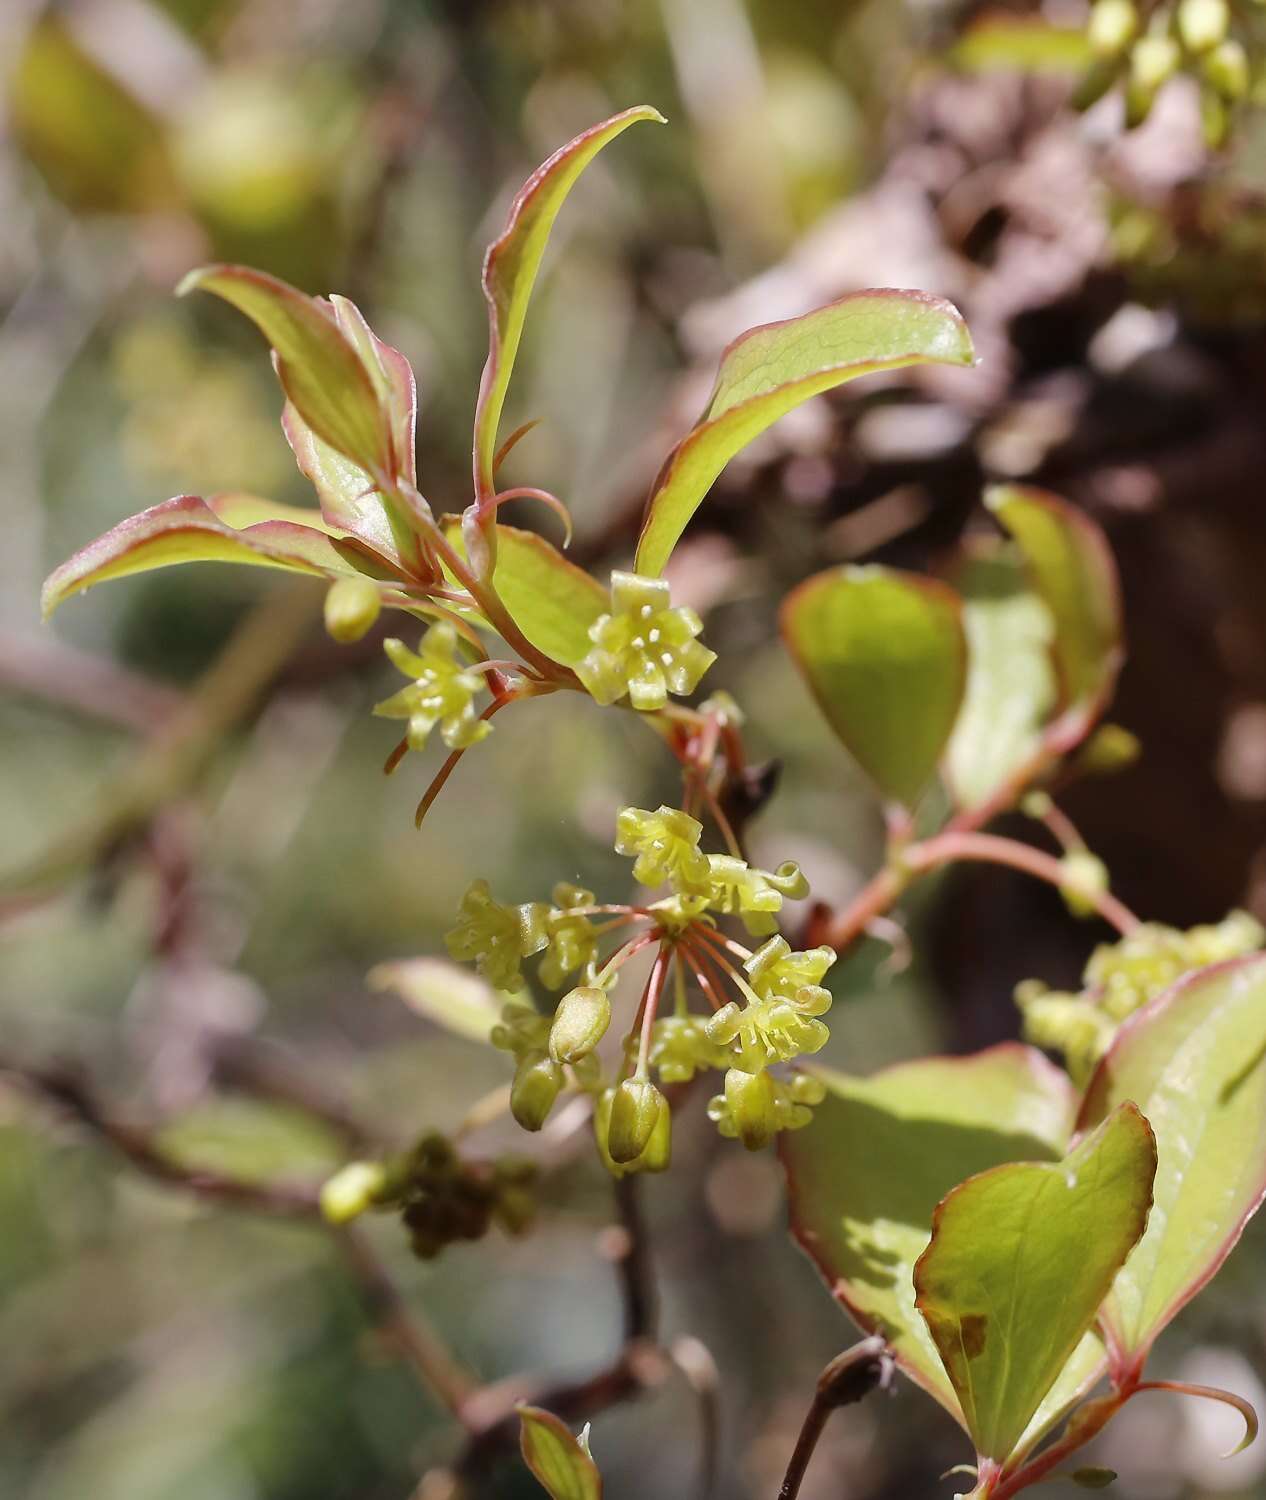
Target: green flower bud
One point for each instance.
(537, 1081)
(1085, 876)
(515, 1210)
(352, 1190)
(580, 1023)
(635, 1112)
(1202, 24)
(659, 1149)
(1092, 1478)
(351, 607)
(1110, 748)
(753, 1107)
(1226, 68)
(1113, 25)
(1153, 61)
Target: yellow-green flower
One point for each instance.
(644, 648)
(665, 845)
(442, 691)
(496, 938)
(573, 943)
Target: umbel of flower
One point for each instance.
(1121, 977)
(442, 691)
(496, 938)
(779, 1021)
(644, 648)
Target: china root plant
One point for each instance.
(1011, 1230)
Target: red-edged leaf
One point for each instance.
(510, 268)
(768, 371)
(1194, 1061)
(1072, 568)
(320, 368)
(885, 656)
(189, 529)
(865, 1175)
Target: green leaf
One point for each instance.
(561, 1462)
(1072, 568)
(320, 368)
(768, 371)
(189, 529)
(445, 993)
(885, 656)
(1194, 1060)
(865, 1176)
(512, 262)
(1010, 682)
(350, 496)
(551, 600)
(1020, 1260)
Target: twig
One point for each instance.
(66, 1087)
(637, 1283)
(411, 1334)
(848, 1378)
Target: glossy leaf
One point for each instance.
(769, 370)
(447, 994)
(551, 600)
(189, 529)
(320, 368)
(1194, 1061)
(865, 1176)
(561, 1462)
(512, 262)
(1020, 1260)
(1072, 569)
(349, 495)
(885, 656)
(1010, 682)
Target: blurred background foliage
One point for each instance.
(198, 871)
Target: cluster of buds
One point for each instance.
(1146, 42)
(442, 691)
(644, 648)
(763, 1008)
(440, 1198)
(1121, 977)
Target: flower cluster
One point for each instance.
(439, 1197)
(1121, 977)
(763, 1007)
(1147, 42)
(442, 691)
(644, 648)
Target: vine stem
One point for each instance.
(849, 1377)
(989, 848)
(875, 900)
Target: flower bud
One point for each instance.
(537, 1081)
(351, 607)
(635, 1112)
(1154, 60)
(515, 1209)
(580, 1022)
(1092, 1478)
(1113, 25)
(659, 1149)
(1110, 748)
(353, 1189)
(1202, 24)
(1226, 68)
(753, 1107)
(1085, 876)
